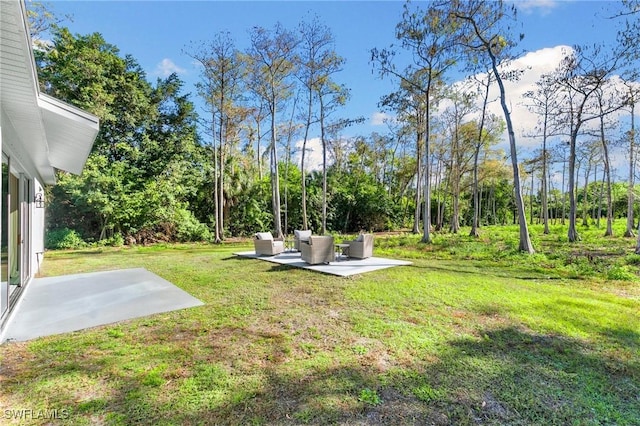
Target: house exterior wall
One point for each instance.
(38, 134)
(37, 230)
(21, 164)
(28, 229)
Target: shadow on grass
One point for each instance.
(236, 375)
(511, 376)
(505, 272)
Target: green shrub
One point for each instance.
(64, 238)
(622, 273)
(632, 259)
(117, 240)
(188, 228)
(370, 397)
(426, 393)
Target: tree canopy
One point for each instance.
(161, 172)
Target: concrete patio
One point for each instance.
(343, 266)
(68, 303)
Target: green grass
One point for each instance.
(471, 333)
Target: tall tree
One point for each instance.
(543, 101)
(629, 36)
(272, 66)
(319, 62)
(484, 85)
(145, 162)
(408, 104)
(428, 36)
(88, 72)
(484, 32)
(223, 70)
(42, 20)
(582, 72)
(171, 133)
(634, 92)
(604, 103)
(461, 136)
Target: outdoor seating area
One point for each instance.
(318, 249)
(361, 247)
(320, 253)
(300, 236)
(265, 244)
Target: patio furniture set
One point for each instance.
(314, 249)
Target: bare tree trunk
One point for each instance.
(564, 192)
(324, 170)
(545, 191)
(275, 178)
(416, 216)
(554, 216)
(601, 196)
(286, 172)
(594, 205)
(480, 204)
(476, 196)
(216, 200)
(607, 170)
(426, 217)
(585, 199)
(630, 197)
(525, 239)
(531, 194)
(221, 144)
(494, 212)
(439, 218)
(572, 233)
(454, 224)
(305, 223)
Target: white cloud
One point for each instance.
(313, 156)
(535, 65)
(529, 6)
(381, 118)
(41, 44)
(167, 67)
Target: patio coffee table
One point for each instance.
(342, 250)
(289, 245)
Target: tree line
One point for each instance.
(159, 171)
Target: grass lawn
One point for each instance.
(472, 333)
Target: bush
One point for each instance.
(188, 228)
(633, 259)
(64, 238)
(370, 397)
(622, 273)
(117, 240)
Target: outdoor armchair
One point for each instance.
(361, 247)
(299, 236)
(319, 249)
(265, 244)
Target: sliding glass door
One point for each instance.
(25, 232)
(15, 219)
(15, 236)
(4, 238)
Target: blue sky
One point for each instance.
(155, 33)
